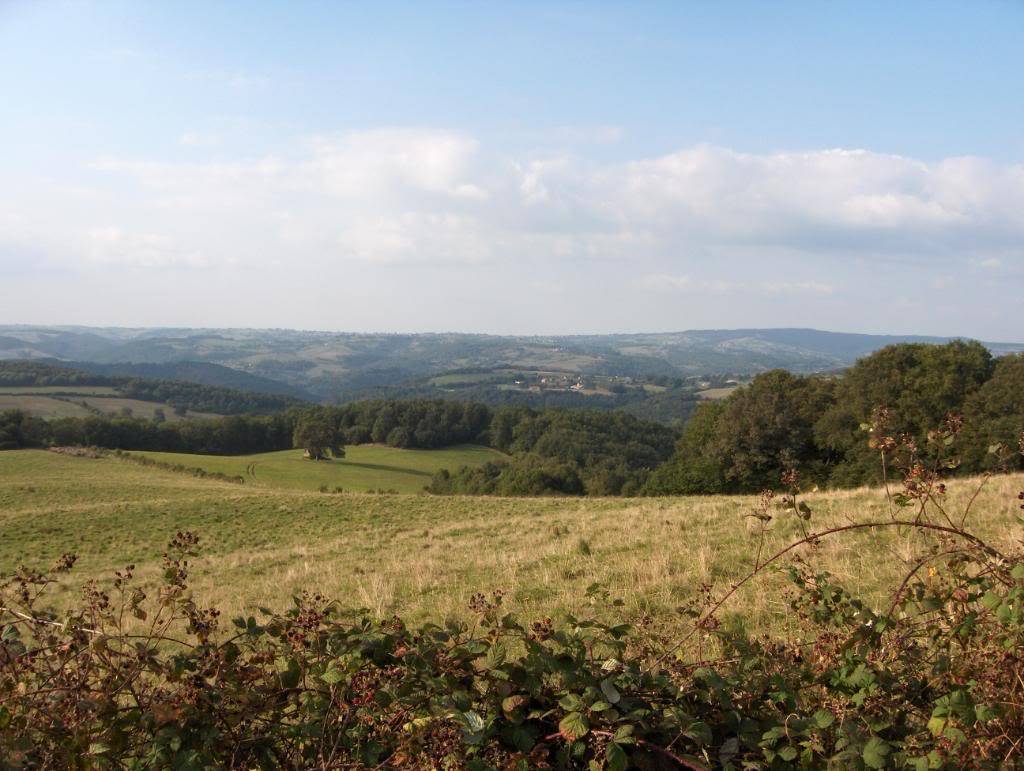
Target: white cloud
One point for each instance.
(427, 196)
(668, 283)
(114, 246)
(390, 162)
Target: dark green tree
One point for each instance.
(918, 383)
(767, 427)
(994, 414)
(315, 434)
(692, 469)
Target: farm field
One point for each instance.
(43, 406)
(115, 405)
(364, 467)
(72, 402)
(424, 556)
(716, 393)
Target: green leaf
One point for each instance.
(823, 718)
(473, 721)
(574, 726)
(332, 675)
(570, 702)
(496, 656)
(876, 753)
(615, 758)
(991, 600)
(610, 692)
(788, 753)
(623, 734)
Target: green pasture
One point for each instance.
(364, 467)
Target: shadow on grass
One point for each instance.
(381, 467)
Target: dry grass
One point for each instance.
(424, 556)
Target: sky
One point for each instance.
(514, 167)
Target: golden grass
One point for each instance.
(423, 556)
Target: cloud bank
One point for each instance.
(704, 220)
(430, 195)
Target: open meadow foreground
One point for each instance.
(424, 556)
(487, 633)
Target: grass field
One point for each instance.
(475, 377)
(43, 406)
(115, 405)
(364, 467)
(424, 556)
(716, 393)
(80, 402)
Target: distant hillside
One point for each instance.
(204, 373)
(337, 365)
(48, 390)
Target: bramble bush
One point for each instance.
(933, 679)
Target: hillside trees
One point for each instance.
(566, 453)
(994, 414)
(919, 384)
(768, 427)
(691, 470)
(815, 424)
(18, 429)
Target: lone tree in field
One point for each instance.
(316, 435)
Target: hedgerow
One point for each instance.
(932, 679)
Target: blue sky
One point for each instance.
(514, 167)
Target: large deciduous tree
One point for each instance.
(318, 436)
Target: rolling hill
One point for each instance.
(333, 365)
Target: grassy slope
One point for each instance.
(364, 467)
(39, 401)
(43, 406)
(113, 405)
(424, 556)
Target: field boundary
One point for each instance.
(180, 468)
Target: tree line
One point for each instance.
(569, 452)
(232, 435)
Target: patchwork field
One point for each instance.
(43, 406)
(81, 402)
(364, 467)
(424, 556)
